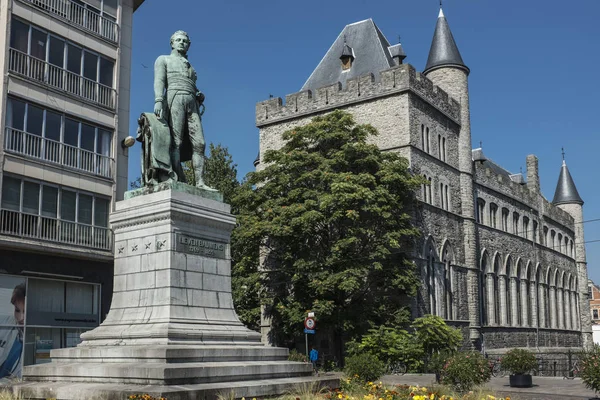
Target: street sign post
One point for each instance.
(309, 328)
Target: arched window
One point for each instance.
(509, 289)
(496, 289)
(539, 293)
(483, 290)
(480, 210)
(449, 284)
(444, 149)
(505, 214)
(519, 297)
(560, 243)
(515, 226)
(525, 227)
(530, 295)
(552, 239)
(493, 215)
(545, 233)
(434, 279)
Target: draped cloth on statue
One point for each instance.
(155, 136)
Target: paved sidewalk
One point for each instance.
(544, 388)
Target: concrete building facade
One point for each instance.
(497, 259)
(64, 112)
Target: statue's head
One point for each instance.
(180, 41)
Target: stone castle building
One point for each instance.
(496, 257)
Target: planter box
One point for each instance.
(520, 380)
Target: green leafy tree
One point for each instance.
(220, 172)
(331, 215)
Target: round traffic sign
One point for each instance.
(309, 323)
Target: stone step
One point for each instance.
(166, 373)
(206, 391)
(168, 354)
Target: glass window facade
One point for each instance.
(38, 315)
(34, 41)
(40, 133)
(55, 213)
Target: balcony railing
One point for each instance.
(51, 75)
(34, 146)
(15, 223)
(79, 16)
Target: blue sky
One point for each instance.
(534, 86)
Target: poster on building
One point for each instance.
(12, 321)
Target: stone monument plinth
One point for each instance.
(172, 330)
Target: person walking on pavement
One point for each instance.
(314, 356)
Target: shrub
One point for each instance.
(466, 369)
(295, 356)
(391, 345)
(518, 361)
(589, 368)
(364, 365)
(435, 335)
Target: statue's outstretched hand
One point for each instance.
(158, 109)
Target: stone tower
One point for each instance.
(446, 69)
(566, 197)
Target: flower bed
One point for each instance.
(351, 389)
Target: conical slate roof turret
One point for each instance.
(566, 192)
(443, 52)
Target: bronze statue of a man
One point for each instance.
(177, 101)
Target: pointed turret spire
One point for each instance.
(444, 52)
(566, 192)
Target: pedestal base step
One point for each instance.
(165, 373)
(206, 391)
(167, 354)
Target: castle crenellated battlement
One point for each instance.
(394, 80)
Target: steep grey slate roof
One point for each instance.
(478, 156)
(566, 192)
(443, 52)
(397, 51)
(370, 50)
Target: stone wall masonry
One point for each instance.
(443, 227)
(529, 200)
(421, 113)
(494, 241)
(422, 163)
(389, 115)
(398, 79)
(548, 340)
(497, 189)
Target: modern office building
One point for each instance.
(64, 102)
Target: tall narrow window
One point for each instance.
(429, 196)
(447, 197)
(444, 149)
(493, 215)
(505, 214)
(423, 138)
(427, 138)
(545, 233)
(516, 223)
(480, 211)
(526, 227)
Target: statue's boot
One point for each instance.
(198, 161)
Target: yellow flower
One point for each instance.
(340, 396)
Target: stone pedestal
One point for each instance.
(172, 330)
